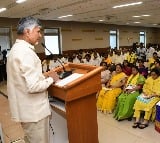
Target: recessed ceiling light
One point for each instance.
(127, 4)
(20, 1)
(136, 16)
(137, 22)
(65, 16)
(2, 9)
(154, 24)
(101, 20)
(146, 15)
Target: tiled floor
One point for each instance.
(11, 131)
(113, 131)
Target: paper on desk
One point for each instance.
(68, 79)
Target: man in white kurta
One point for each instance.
(26, 85)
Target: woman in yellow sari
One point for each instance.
(148, 99)
(107, 97)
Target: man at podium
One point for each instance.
(26, 85)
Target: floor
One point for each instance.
(112, 131)
(11, 132)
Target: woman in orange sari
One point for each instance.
(107, 97)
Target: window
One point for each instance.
(142, 37)
(113, 38)
(52, 41)
(5, 39)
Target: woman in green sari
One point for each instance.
(127, 98)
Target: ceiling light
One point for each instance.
(2, 9)
(128, 4)
(155, 24)
(136, 16)
(65, 16)
(145, 15)
(20, 1)
(137, 22)
(101, 20)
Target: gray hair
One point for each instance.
(27, 23)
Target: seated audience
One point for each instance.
(157, 64)
(150, 51)
(95, 59)
(107, 59)
(126, 68)
(141, 51)
(118, 57)
(127, 98)
(147, 100)
(105, 74)
(87, 59)
(78, 59)
(152, 60)
(54, 63)
(64, 58)
(111, 56)
(142, 69)
(131, 57)
(107, 97)
(46, 63)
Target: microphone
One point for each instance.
(64, 73)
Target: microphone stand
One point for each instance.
(64, 73)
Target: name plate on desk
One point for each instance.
(68, 79)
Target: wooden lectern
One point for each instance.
(79, 98)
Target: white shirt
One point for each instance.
(54, 64)
(87, 62)
(118, 59)
(141, 52)
(105, 76)
(149, 53)
(95, 62)
(26, 85)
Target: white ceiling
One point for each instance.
(86, 11)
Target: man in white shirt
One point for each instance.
(141, 52)
(26, 85)
(87, 60)
(118, 57)
(95, 60)
(149, 52)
